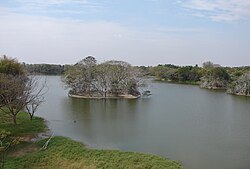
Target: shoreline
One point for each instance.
(206, 88)
(108, 97)
(238, 94)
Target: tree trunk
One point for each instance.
(14, 119)
(31, 116)
(2, 161)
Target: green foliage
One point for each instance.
(185, 74)
(10, 134)
(164, 72)
(65, 153)
(189, 73)
(219, 73)
(24, 127)
(4, 142)
(11, 66)
(215, 78)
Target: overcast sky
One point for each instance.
(141, 32)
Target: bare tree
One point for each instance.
(241, 86)
(32, 107)
(103, 79)
(18, 92)
(81, 77)
(37, 89)
(12, 94)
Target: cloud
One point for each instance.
(219, 10)
(50, 40)
(45, 39)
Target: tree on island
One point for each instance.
(241, 86)
(214, 76)
(108, 79)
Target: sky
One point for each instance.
(141, 32)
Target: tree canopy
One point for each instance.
(11, 66)
(241, 86)
(107, 79)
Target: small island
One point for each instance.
(111, 79)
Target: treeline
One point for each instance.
(180, 74)
(46, 69)
(235, 80)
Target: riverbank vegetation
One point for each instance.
(112, 78)
(64, 153)
(241, 86)
(235, 80)
(17, 135)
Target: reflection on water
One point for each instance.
(200, 128)
(105, 123)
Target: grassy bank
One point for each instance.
(24, 125)
(65, 153)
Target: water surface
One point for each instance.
(202, 129)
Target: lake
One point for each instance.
(202, 129)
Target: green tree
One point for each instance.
(11, 66)
(189, 73)
(215, 77)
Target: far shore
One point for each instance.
(125, 96)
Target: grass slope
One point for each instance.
(68, 154)
(65, 153)
(24, 125)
